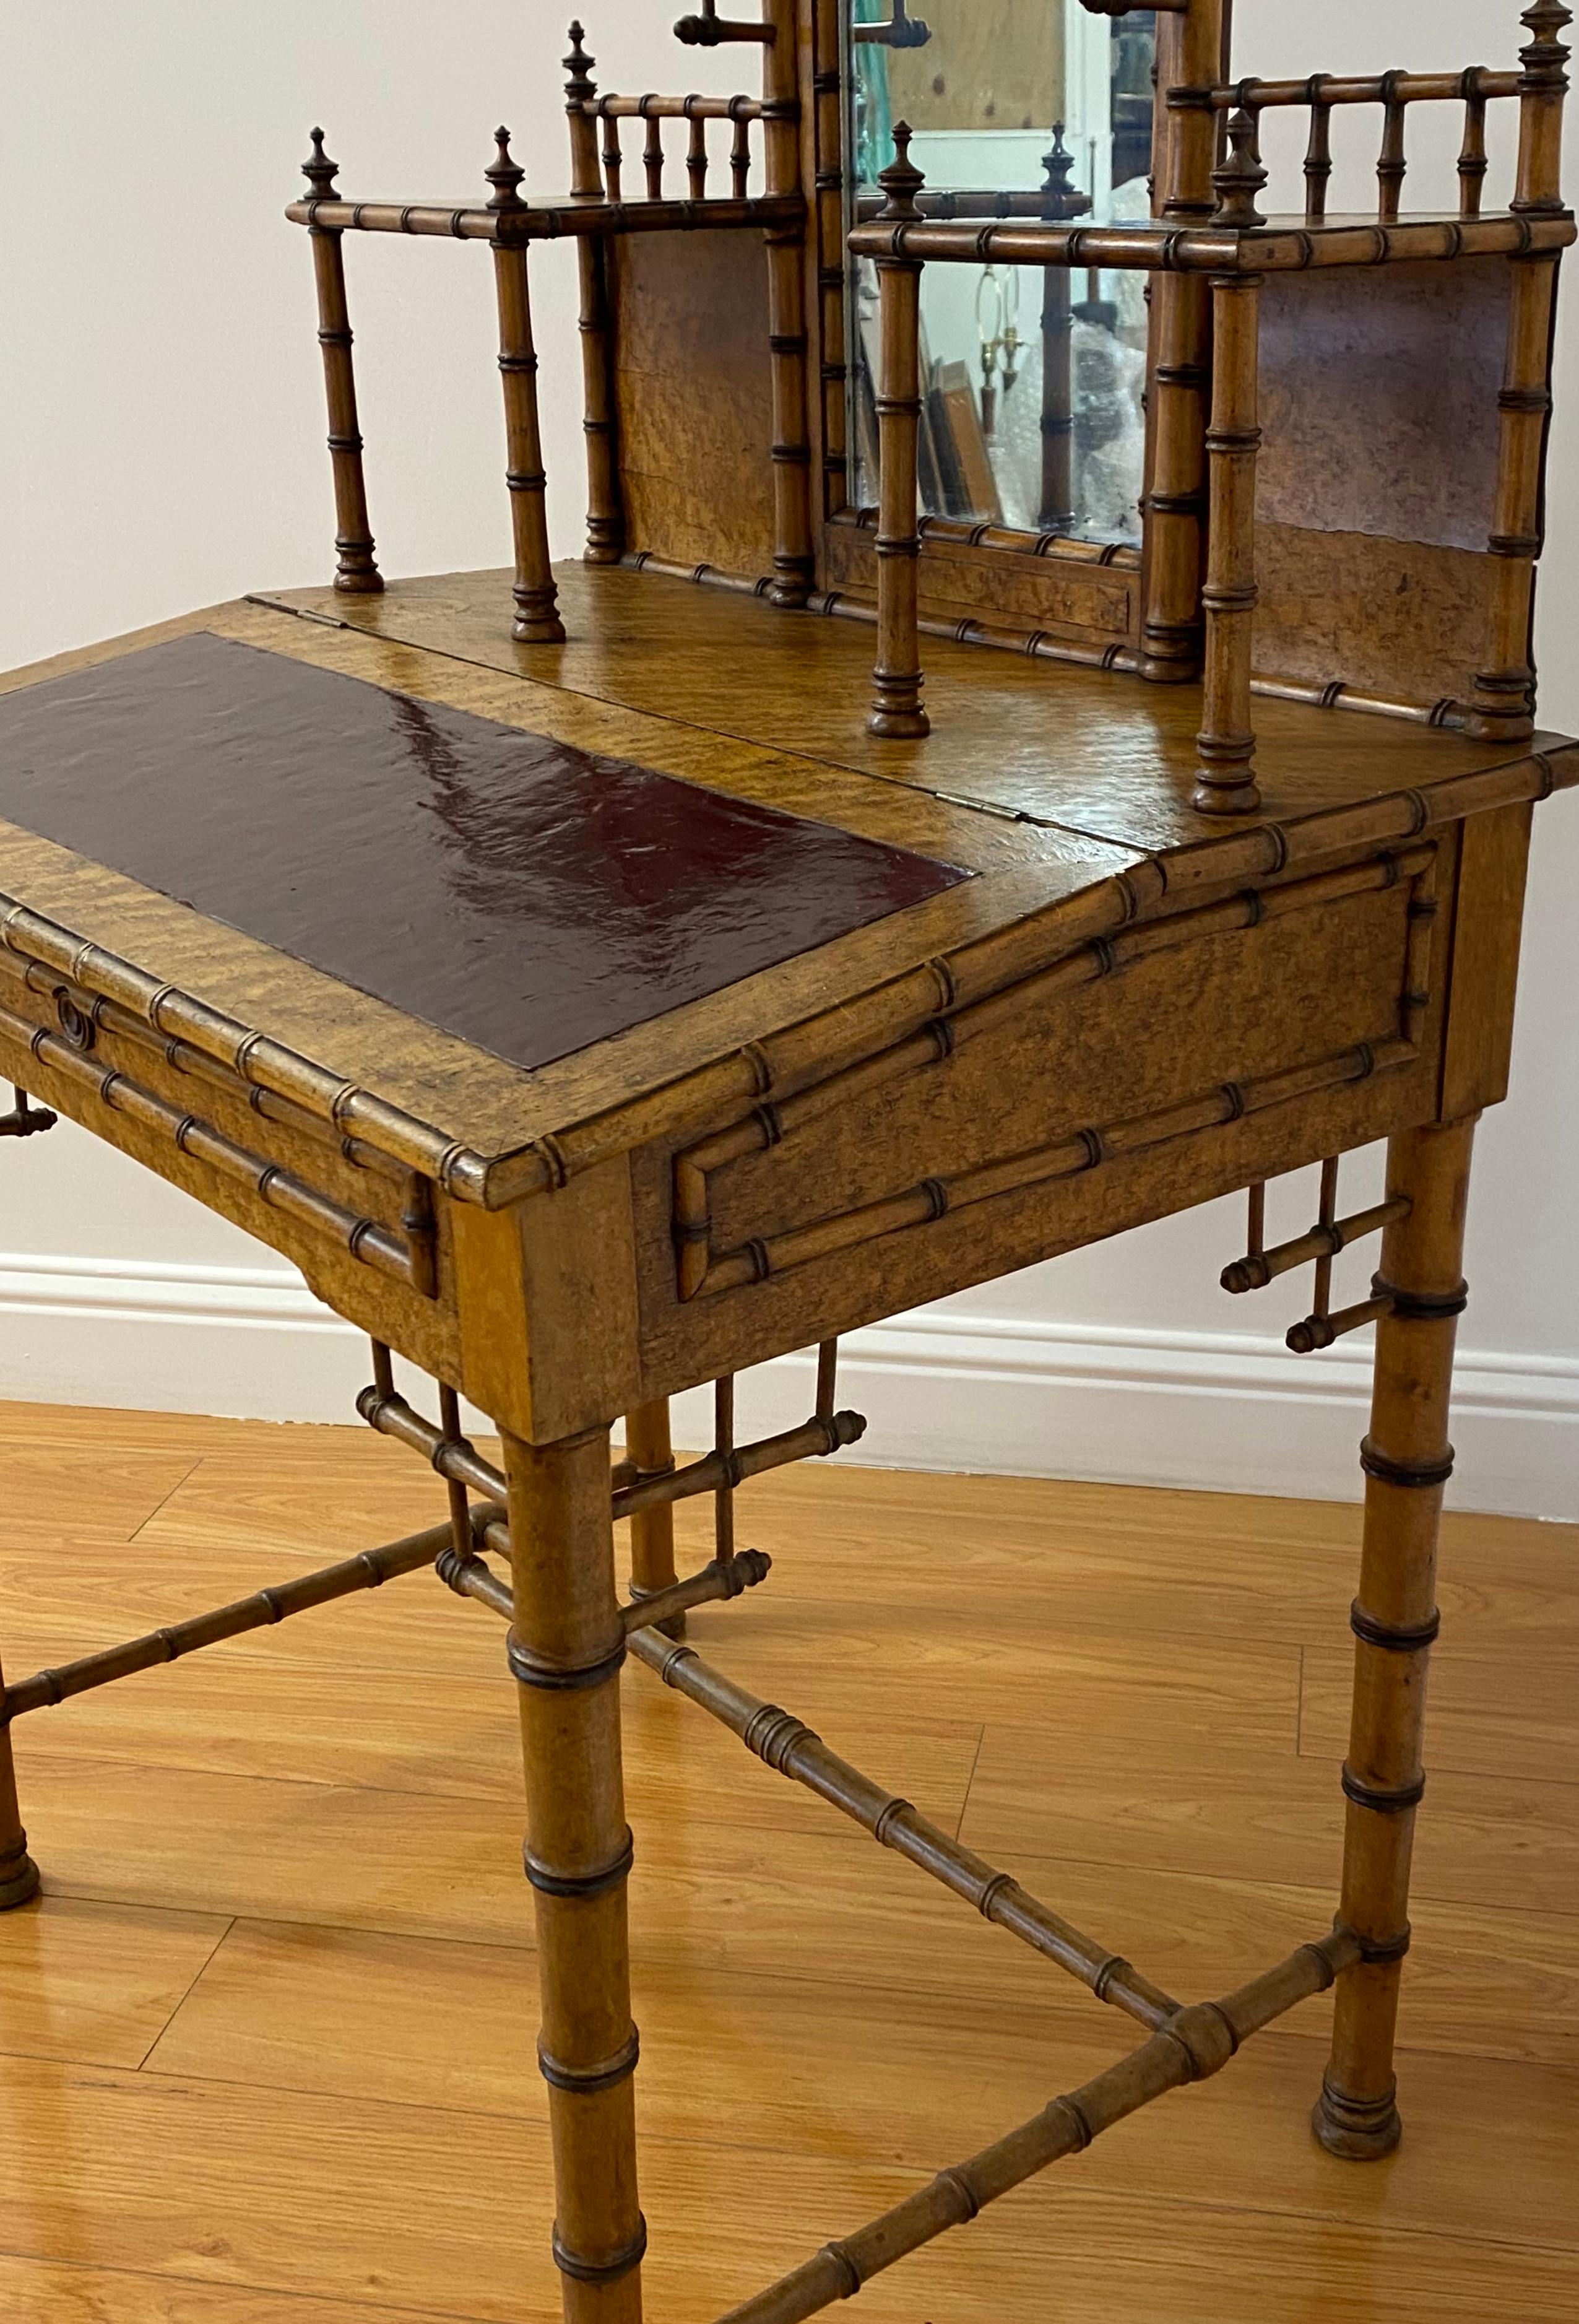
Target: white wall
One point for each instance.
(162, 449)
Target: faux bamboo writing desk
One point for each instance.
(595, 995)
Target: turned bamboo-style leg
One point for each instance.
(18, 1875)
(650, 1449)
(537, 604)
(565, 1650)
(896, 709)
(1406, 1459)
(357, 574)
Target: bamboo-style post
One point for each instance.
(566, 1651)
(833, 260)
(696, 155)
(1060, 201)
(605, 508)
(897, 710)
(1189, 63)
(650, 1451)
(1408, 1461)
(1503, 703)
(357, 574)
(1392, 165)
(1318, 152)
(1473, 163)
(794, 566)
(18, 1875)
(537, 605)
(1225, 781)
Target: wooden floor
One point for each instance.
(268, 2037)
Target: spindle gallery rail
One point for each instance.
(699, 111)
(1394, 92)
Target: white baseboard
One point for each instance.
(943, 1390)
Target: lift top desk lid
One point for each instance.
(414, 891)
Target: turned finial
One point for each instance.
(1544, 59)
(505, 174)
(1240, 179)
(1060, 199)
(318, 171)
(902, 181)
(579, 84)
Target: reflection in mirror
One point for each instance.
(1033, 378)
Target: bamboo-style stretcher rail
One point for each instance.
(25, 1120)
(1193, 2045)
(551, 221)
(792, 1750)
(454, 1458)
(368, 1571)
(715, 1583)
(1258, 1269)
(1279, 246)
(399, 1256)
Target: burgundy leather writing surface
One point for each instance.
(524, 894)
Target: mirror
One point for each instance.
(1033, 378)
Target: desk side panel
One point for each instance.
(1223, 1056)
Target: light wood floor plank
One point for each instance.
(38, 2290)
(1264, 1819)
(340, 2120)
(97, 1983)
(1512, 1711)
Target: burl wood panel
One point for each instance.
(524, 894)
(1378, 386)
(1227, 1007)
(1230, 1007)
(958, 583)
(1379, 392)
(1396, 618)
(694, 397)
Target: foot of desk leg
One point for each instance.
(18, 1875)
(567, 1652)
(1406, 1460)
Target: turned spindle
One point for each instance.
(356, 572)
(898, 713)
